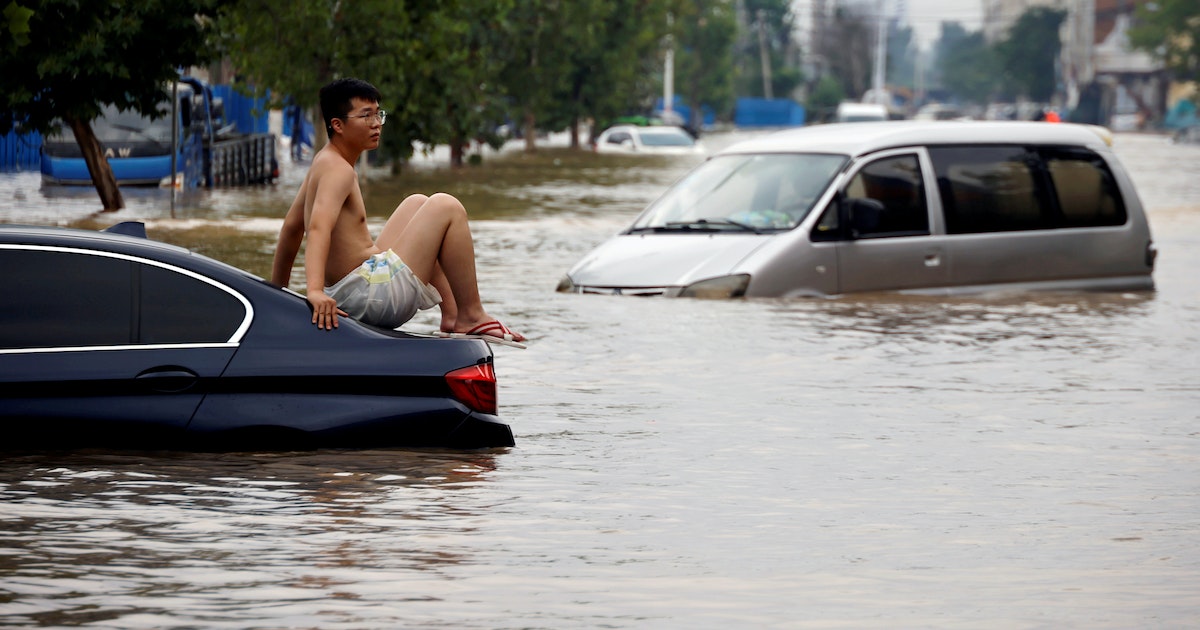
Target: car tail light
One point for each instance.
(475, 387)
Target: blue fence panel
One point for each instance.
(249, 114)
(20, 151)
(761, 112)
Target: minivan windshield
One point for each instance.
(756, 193)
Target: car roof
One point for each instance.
(15, 234)
(646, 128)
(92, 239)
(867, 137)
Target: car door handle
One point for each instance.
(170, 379)
(933, 259)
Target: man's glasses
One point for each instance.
(379, 115)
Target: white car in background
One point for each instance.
(658, 139)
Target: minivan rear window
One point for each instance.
(1011, 188)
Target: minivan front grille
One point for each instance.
(636, 291)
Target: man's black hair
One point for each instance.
(335, 98)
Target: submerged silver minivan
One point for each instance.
(924, 207)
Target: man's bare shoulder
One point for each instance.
(327, 161)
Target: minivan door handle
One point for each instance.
(933, 259)
(168, 379)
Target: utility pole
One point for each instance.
(877, 77)
(764, 56)
(669, 68)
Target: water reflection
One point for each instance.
(135, 536)
(1003, 460)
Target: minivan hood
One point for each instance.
(663, 260)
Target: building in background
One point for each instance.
(1101, 79)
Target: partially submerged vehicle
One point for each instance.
(655, 139)
(115, 340)
(927, 207)
(190, 135)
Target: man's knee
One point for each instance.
(447, 202)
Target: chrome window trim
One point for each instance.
(147, 346)
(234, 340)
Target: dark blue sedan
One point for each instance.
(112, 339)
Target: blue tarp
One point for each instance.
(249, 114)
(761, 112)
(1182, 115)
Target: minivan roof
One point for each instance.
(866, 137)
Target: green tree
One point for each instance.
(1170, 30)
(433, 61)
(706, 31)
(1029, 55)
(17, 19)
(80, 57)
(845, 45)
(612, 58)
(769, 26)
(537, 33)
(966, 66)
(824, 99)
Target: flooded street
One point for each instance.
(882, 461)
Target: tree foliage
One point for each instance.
(1022, 65)
(775, 22)
(704, 31)
(844, 45)
(1029, 55)
(1170, 30)
(967, 66)
(79, 57)
(433, 61)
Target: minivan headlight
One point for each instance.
(721, 288)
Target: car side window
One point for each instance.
(619, 137)
(991, 189)
(894, 182)
(62, 299)
(1085, 189)
(72, 299)
(176, 308)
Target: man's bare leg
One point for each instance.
(390, 233)
(437, 236)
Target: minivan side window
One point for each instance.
(1005, 188)
(896, 183)
(991, 189)
(72, 299)
(1085, 188)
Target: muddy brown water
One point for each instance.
(1004, 461)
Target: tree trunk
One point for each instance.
(530, 132)
(456, 150)
(98, 167)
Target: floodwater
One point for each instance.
(1005, 461)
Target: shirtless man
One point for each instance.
(424, 254)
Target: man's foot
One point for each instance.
(492, 332)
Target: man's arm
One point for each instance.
(290, 237)
(333, 188)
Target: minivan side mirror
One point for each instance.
(861, 215)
